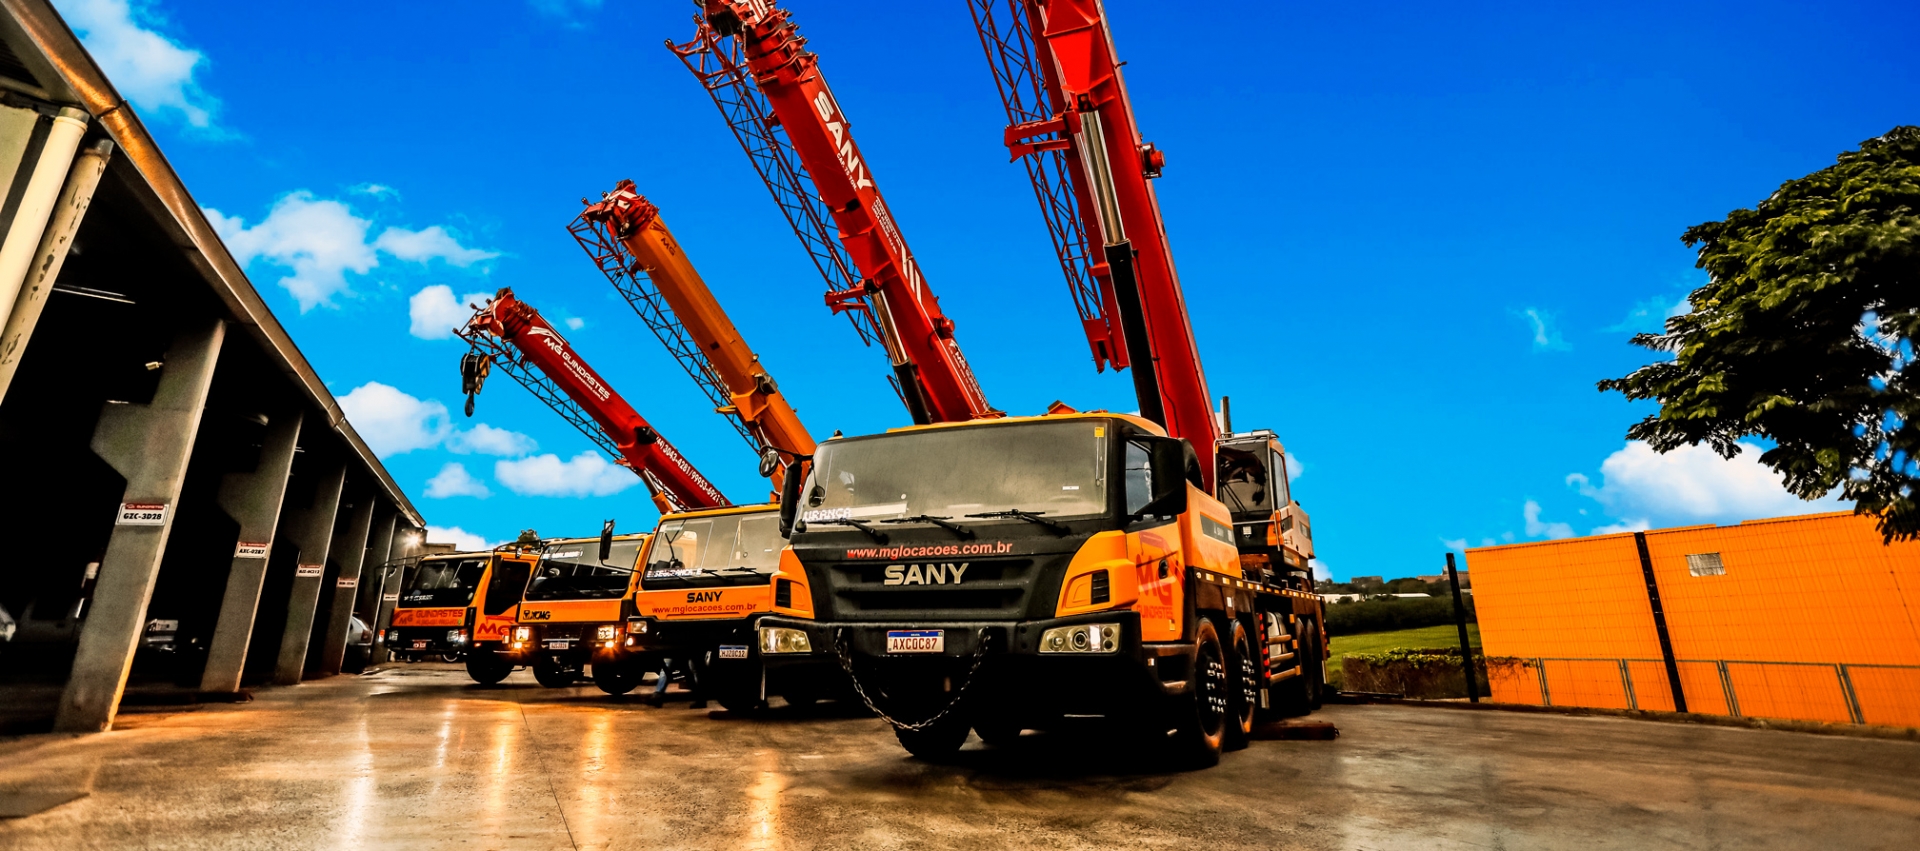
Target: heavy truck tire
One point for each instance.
(619, 677)
(736, 690)
(486, 668)
(553, 674)
(1313, 664)
(1199, 717)
(1244, 695)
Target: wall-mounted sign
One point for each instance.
(346, 582)
(391, 598)
(251, 549)
(142, 514)
(309, 571)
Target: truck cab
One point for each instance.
(706, 580)
(1020, 573)
(463, 604)
(570, 618)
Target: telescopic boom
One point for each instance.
(508, 320)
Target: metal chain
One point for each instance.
(846, 664)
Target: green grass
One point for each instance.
(1434, 637)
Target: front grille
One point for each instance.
(564, 630)
(990, 589)
(1102, 589)
(783, 593)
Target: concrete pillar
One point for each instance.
(253, 500)
(45, 176)
(149, 446)
(312, 533)
(68, 212)
(379, 544)
(349, 551)
(406, 544)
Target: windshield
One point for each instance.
(1054, 468)
(444, 582)
(732, 549)
(1243, 480)
(574, 572)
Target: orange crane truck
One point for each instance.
(570, 617)
(577, 598)
(708, 576)
(1035, 572)
(465, 604)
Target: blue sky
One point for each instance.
(1412, 236)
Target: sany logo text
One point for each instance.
(849, 158)
(925, 574)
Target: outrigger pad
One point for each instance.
(1296, 731)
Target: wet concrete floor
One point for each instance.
(419, 757)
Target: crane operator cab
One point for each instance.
(570, 618)
(1273, 531)
(464, 604)
(707, 578)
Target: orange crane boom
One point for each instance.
(626, 228)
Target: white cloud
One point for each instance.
(377, 190)
(434, 243)
(1536, 528)
(484, 439)
(433, 312)
(1693, 484)
(575, 323)
(392, 422)
(1320, 569)
(454, 480)
(1652, 314)
(461, 538)
(322, 240)
(319, 240)
(1545, 336)
(1458, 545)
(150, 69)
(1295, 469)
(1615, 528)
(586, 474)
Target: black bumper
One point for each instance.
(1016, 678)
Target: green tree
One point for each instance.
(1804, 336)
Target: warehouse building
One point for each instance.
(194, 511)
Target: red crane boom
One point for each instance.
(933, 376)
(1064, 50)
(643, 449)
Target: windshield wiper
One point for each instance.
(1029, 516)
(942, 522)
(878, 536)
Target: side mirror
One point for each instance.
(606, 540)
(789, 492)
(1168, 459)
(769, 461)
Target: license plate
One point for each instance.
(559, 643)
(733, 651)
(420, 645)
(917, 641)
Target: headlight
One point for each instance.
(774, 639)
(606, 633)
(637, 627)
(456, 635)
(521, 633)
(1085, 638)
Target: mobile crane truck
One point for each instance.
(1001, 576)
(709, 574)
(465, 603)
(570, 618)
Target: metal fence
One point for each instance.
(1845, 693)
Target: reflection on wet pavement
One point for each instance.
(419, 757)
